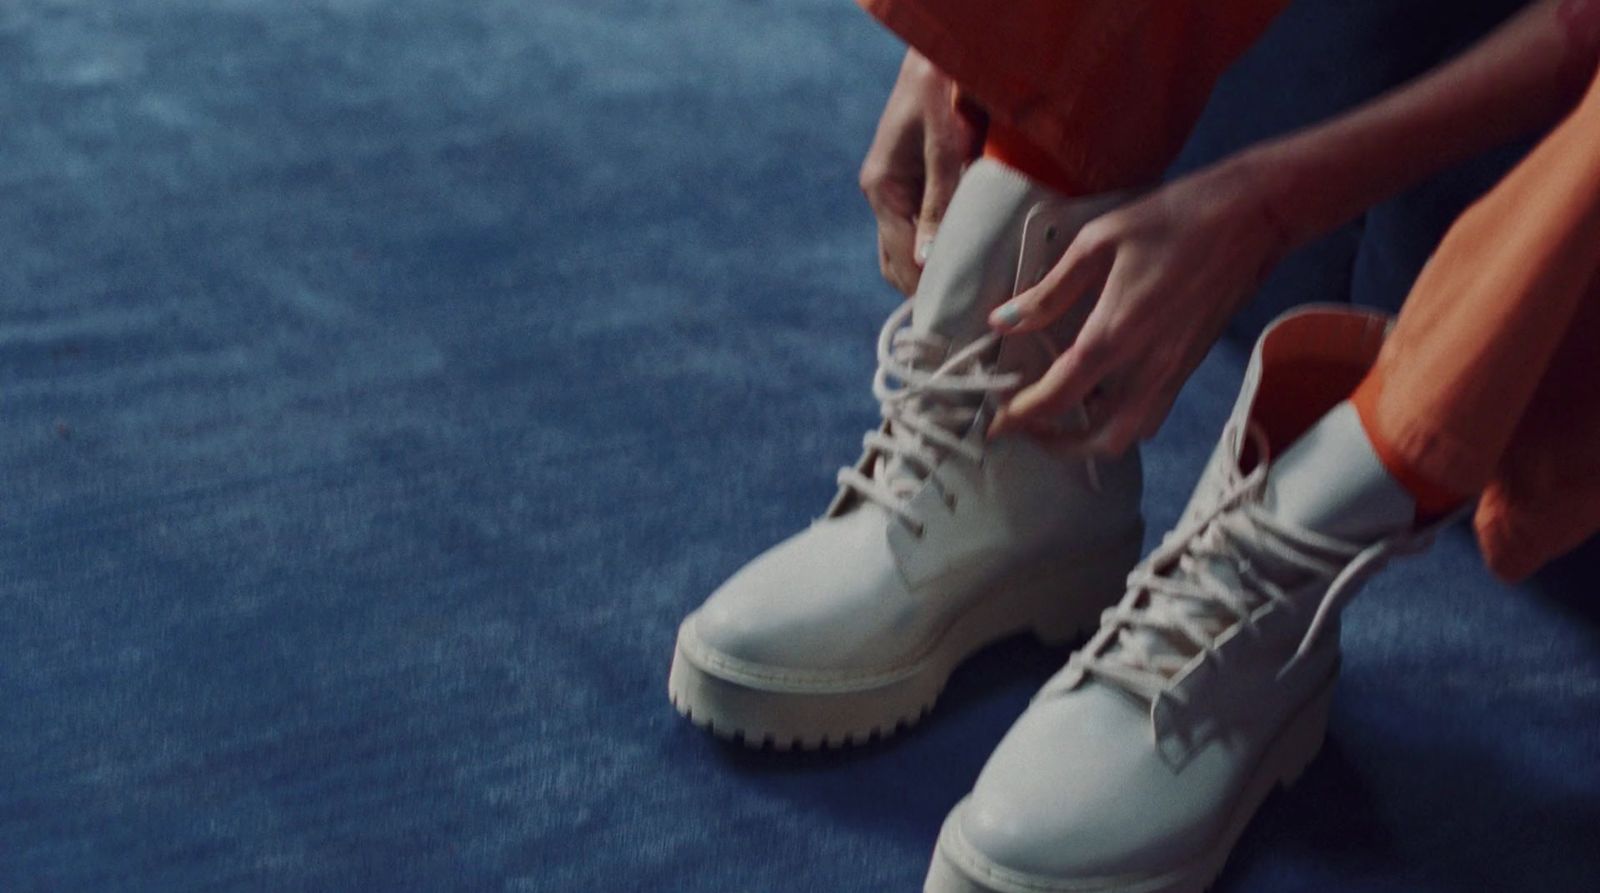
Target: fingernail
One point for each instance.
(998, 425)
(922, 251)
(1006, 315)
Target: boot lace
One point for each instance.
(925, 410)
(1212, 575)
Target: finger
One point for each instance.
(1055, 432)
(1108, 413)
(895, 236)
(1173, 383)
(1062, 387)
(1119, 422)
(943, 168)
(1085, 266)
(1002, 424)
(1104, 345)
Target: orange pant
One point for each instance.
(1109, 89)
(1490, 382)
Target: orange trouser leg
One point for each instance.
(1490, 381)
(1105, 90)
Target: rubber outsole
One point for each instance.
(1058, 601)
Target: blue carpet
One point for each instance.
(382, 381)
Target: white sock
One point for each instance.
(1331, 481)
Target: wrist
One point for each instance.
(1265, 181)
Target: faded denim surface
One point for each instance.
(382, 381)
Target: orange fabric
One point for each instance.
(1108, 89)
(1012, 148)
(1490, 382)
(1308, 366)
(1433, 501)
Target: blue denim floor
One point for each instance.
(383, 381)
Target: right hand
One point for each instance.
(1171, 268)
(911, 170)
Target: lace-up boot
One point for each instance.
(939, 541)
(1135, 769)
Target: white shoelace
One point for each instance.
(927, 411)
(1206, 579)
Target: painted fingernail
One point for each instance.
(922, 251)
(1007, 315)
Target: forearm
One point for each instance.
(1520, 78)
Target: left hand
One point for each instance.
(1172, 267)
(909, 174)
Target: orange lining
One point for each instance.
(1309, 363)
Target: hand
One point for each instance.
(1172, 267)
(912, 168)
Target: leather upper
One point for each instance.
(862, 591)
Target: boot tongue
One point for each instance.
(972, 267)
(1329, 481)
(1217, 570)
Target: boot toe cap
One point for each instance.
(811, 603)
(1077, 793)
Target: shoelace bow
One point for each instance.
(1183, 571)
(925, 409)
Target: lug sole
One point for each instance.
(958, 868)
(1056, 601)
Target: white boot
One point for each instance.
(1135, 769)
(939, 542)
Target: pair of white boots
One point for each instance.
(1208, 682)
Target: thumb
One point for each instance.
(943, 173)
